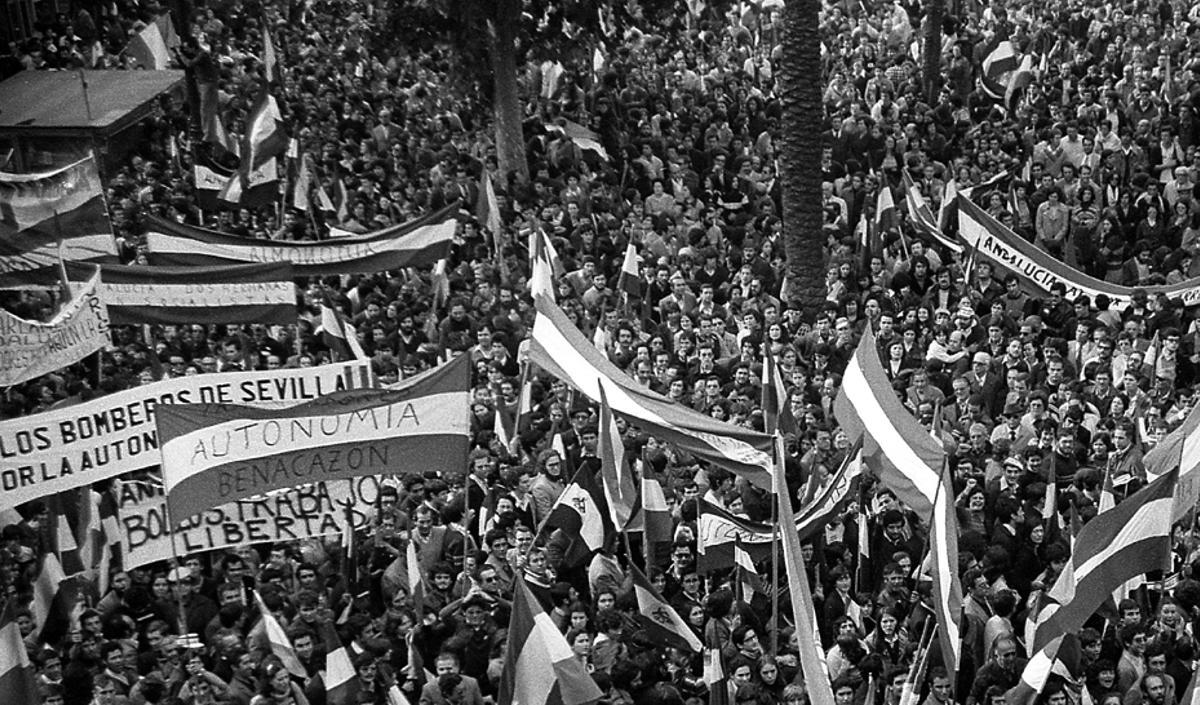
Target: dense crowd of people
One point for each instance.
(1102, 151)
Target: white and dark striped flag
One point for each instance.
(539, 667)
(912, 464)
(1124, 542)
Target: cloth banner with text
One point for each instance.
(213, 454)
(319, 509)
(31, 349)
(78, 445)
(1038, 270)
(417, 243)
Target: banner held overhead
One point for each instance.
(217, 453)
(62, 449)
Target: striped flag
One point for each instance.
(338, 333)
(656, 516)
(265, 138)
(52, 216)
(620, 486)
(99, 537)
(151, 47)
(887, 218)
(581, 514)
(714, 678)
(417, 243)
(948, 211)
(1179, 449)
(662, 623)
(912, 464)
(231, 293)
(777, 411)
(1061, 656)
(268, 58)
(303, 185)
(416, 578)
(18, 682)
(998, 67)
(1127, 541)
(219, 188)
(281, 646)
(347, 434)
(921, 216)
(629, 281)
(56, 603)
(747, 573)
(539, 666)
(504, 426)
(62, 538)
(487, 208)
(561, 349)
(581, 137)
(804, 614)
(341, 680)
(1018, 82)
(545, 266)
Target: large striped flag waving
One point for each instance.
(1124, 542)
(539, 668)
(912, 464)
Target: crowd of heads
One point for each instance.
(1023, 387)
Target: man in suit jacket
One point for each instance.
(451, 685)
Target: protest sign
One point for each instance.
(109, 436)
(319, 509)
(213, 454)
(223, 294)
(31, 349)
(1038, 271)
(417, 243)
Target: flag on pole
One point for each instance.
(539, 666)
(487, 209)
(281, 645)
(629, 281)
(416, 578)
(912, 464)
(151, 47)
(620, 486)
(18, 682)
(1129, 540)
(747, 578)
(1018, 82)
(341, 680)
(55, 601)
(1061, 656)
(921, 216)
(948, 210)
(265, 138)
(545, 265)
(662, 623)
(998, 67)
(777, 411)
(303, 185)
(581, 515)
(804, 614)
(886, 217)
(338, 334)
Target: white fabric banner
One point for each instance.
(31, 349)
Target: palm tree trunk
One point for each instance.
(931, 70)
(502, 49)
(800, 152)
